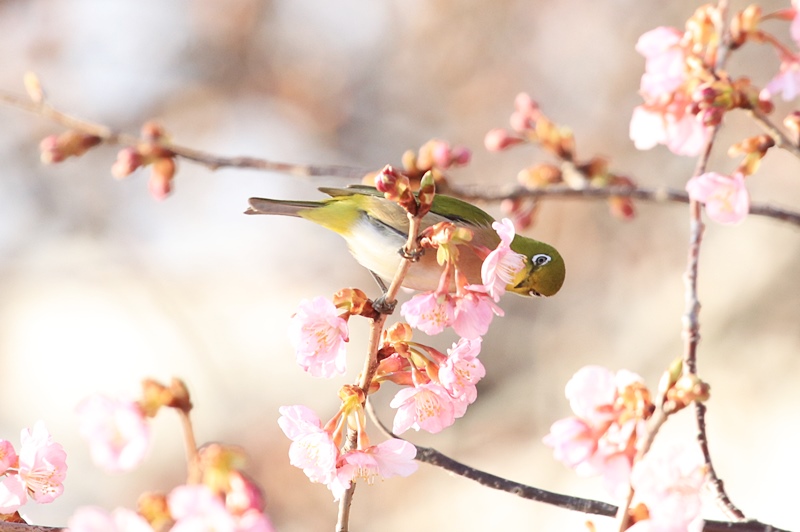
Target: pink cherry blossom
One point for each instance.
(312, 448)
(786, 82)
(680, 131)
(393, 457)
(573, 442)
(647, 128)
(42, 464)
(474, 312)
(669, 480)
(427, 406)
(725, 197)
(196, 508)
(664, 118)
(590, 391)
(243, 494)
(502, 264)
(461, 372)
(298, 420)
(254, 521)
(8, 456)
(610, 412)
(318, 335)
(430, 312)
(13, 494)
(665, 65)
(117, 432)
(93, 519)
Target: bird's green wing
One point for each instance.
(447, 207)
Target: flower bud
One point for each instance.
(154, 509)
(540, 175)
(427, 191)
(160, 183)
(243, 494)
(498, 139)
(128, 160)
(71, 143)
(33, 87)
(398, 333)
(354, 301)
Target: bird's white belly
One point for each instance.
(376, 247)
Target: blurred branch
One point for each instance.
(208, 160)
(654, 195)
(691, 323)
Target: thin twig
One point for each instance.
(194, 474)
(208, 160)
(388, 299)
(691, 324)
(780, 138)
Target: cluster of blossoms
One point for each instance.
(610, 414)
(528, 124)
(149, 152)
(470, 308)
(38, 470)
(225, 501)
(436, 388)
(217, 496)
(320, 450)
(435, 156)
(685, 95)
(605, 435)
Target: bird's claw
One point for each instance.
(413, 255)
(383, 306)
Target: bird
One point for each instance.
(376, 229)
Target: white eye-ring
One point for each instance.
(541, 259)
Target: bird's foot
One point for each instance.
(413, 255)
(383, 306)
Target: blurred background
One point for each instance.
(101, 286)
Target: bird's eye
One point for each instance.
(541, 259)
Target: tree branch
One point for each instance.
(468, 193)
(208, 160)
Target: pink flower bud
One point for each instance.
(128, 160)
(50, 150)
(499, 139)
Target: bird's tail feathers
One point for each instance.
(279, 207)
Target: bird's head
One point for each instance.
(544, 269)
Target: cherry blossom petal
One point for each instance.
(474, 313)
(725, 197)
(430, 312)
(590, 391)
(502, 264)
(318, 335)
(8, 456)
(13, 494)
(428, 407)
(117, 431)
(42, 464)
(196, 508)
(93, 519)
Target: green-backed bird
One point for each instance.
(376, 228)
